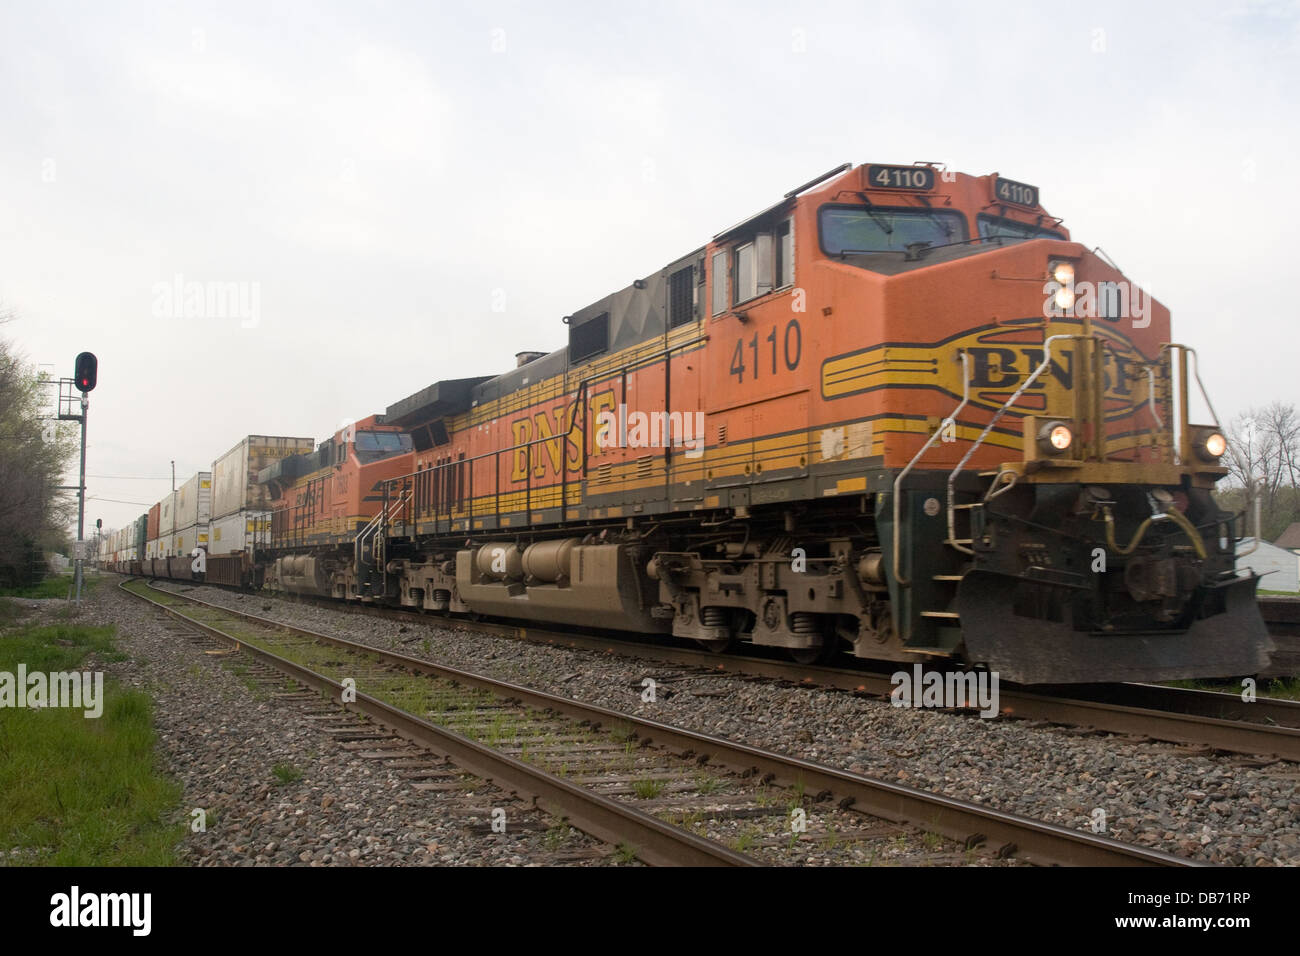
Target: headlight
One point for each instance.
(1063, 272)
(1055, 438)
(1210, 444)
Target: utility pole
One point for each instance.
(81, 501)
(173, 474)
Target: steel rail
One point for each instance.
(971, 824)
(655, 842)
(1266, 726)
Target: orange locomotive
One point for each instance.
(898, 414)
(321, 500)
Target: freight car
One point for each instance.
(220, 513)
(900, 413)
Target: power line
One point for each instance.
(129, 477)
(118, 501)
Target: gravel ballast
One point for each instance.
(277, 789)
(1212, 808)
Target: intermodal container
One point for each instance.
(194, 501)
(238, 531)
(167, 517)
(234, 474)
(187, 539)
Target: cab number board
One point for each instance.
(901, 177)
(1022, 194)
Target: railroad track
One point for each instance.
(588, 763)
(1266, 728)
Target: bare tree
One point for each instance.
(1264, 461)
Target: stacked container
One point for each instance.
(140, 538)
(192, 510)
(166, 525)
(240, 506)
(238, 531)
(153, 521)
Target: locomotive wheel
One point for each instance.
(717, 647)
(816, 655)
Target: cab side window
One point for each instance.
(760, 263)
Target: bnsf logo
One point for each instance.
(997, 368)
(1002, 367)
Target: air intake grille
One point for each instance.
(681, 297)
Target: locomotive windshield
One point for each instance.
(996, 227)
(850, 229)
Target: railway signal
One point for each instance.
(87, 370)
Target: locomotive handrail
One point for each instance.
(952, 477)
(951, 420)
(1196, 373)
(372, 529)
(1151, 397)
(580, 391)
(496, 456)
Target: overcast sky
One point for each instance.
(380, 176)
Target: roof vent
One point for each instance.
(523, 358)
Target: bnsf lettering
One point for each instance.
(1007, 368)
(549, 431)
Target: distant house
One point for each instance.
(1290, 538)
(1284, 565)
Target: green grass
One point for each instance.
(623, 733)
(689, 820)
(286, 774)
(649, 788)
(831, 840)
(1281, 687)
(76, 791)
(707, 784)
(1287, 688)
(557, 834)
(743, 842)
(625, 853)
(55, 586)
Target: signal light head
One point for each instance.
(86, 372)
